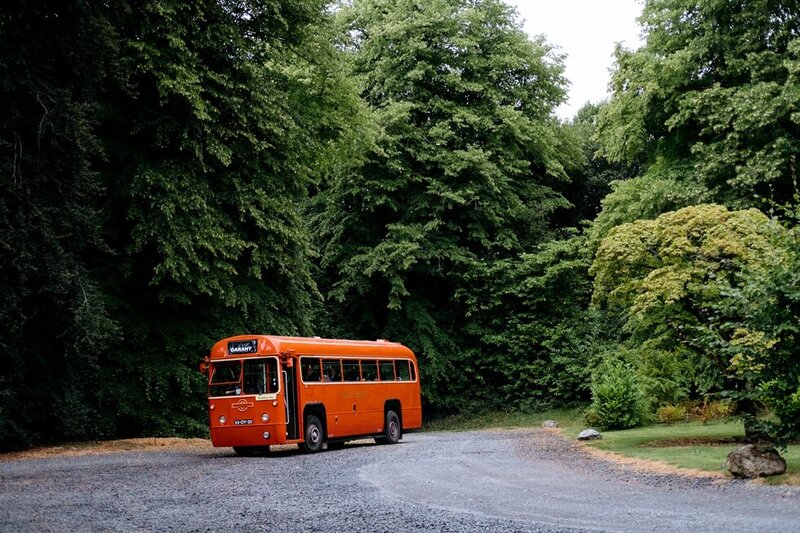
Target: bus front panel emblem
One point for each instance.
(242, 405)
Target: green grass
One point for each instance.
(651, 442)
(566, 418)
(643, 443)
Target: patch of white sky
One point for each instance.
(586, 31)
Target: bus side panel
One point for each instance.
(344, 406)
(356, 409)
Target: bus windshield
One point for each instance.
(226, 379)
(260, 376)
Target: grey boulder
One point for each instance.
(751, 461)
(589, 434)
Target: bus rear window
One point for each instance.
(402, 370)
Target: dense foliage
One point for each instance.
(710, 103)
(458, 183)
(709, 108)
(175, 172)
(155, 159)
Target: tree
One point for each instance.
(757, 327)
(460, 176)
(676, 277)
(710, 102)
(54, 316)
(158, 156)
(592, 174)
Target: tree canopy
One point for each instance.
(710, 103)
(460, 175)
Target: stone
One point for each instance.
(751, 461)
(589, 434)
(550, 424)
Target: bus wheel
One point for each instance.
(313, 435)
(392, 431)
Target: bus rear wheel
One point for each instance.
(313, 435)
(392, 430)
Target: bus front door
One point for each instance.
(290, 399)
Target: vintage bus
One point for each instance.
(266, 390)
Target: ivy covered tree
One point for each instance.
(710, 103)
(459, 177)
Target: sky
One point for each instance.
(586, 31)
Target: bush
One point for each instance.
(670, 414)
(707, 411)
(617, 398)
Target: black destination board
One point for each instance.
(240, 347)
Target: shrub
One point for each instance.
(670, 414)
(707, 411)
(617, 398)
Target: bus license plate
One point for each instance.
(243, 422)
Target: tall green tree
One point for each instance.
(57, 61)
(460, 176)
(711, 103)
(156, 156)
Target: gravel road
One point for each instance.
(520, 480)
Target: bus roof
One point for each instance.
(253, 345)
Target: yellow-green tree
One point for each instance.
(674, 277)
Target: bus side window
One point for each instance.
(369, 370)
(350, 370)
(413, 371)
(311, 369)
(331, 370)
(402, 370)
(386, 370)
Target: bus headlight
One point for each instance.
(265, 417)
(266, 435)
(222, 419)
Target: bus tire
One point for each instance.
(314, 435)
(392, 430)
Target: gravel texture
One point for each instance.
(522, 480)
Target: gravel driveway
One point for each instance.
(522, 480)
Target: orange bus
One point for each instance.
(265, 390)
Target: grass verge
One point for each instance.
(566, 418)
(692, 446)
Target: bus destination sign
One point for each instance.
(240, 347)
